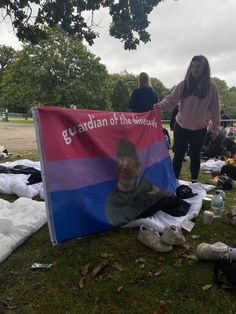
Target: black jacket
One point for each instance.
(143, 99)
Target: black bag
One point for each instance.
(224, 272)
(184, 191)
(176, 206)
(225, 182)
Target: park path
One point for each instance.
(18, 137)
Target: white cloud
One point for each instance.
(179, 30)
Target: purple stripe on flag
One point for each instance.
(79, 173)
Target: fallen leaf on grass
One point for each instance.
(118, 266)
(155, 274)
(15, 272)
(82, 282)
(106, 255)
(206, 287)
(178, 263)
(195, 236)
(84, 269)
(158, 273)
(192, 257)
(98, 268)
(119, 289)
(181, 252)
(141, 266)
(84, 279)
(141, 260)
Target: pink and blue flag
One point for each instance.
(78, 151)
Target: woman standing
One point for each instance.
(144, 97)
(198, 101)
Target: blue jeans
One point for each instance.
(188, 140)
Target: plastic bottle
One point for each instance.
(222, 193)
(217, 205)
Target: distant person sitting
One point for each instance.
(229, 168)
(144, 97)
(167, 137)
(223, 117)
(213, 149)
(231, 133)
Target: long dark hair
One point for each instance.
(201, 87)
(144, 80)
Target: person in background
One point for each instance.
(197, 98)
(231, 133)
(230, 167)
(172, 117)
(144, 97)
(223, 117)
(167, 137)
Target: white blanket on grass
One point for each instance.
(18, 221)
(212, 165)
(160, 220)
(11, 183)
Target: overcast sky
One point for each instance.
(179, 30)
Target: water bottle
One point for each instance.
(222, 193)
(217, 205)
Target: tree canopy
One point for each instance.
(61, 71)
(6, 57)
(129, 18)
(227, 97)
(58, 71)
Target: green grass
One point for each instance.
(127, 284)
(18, 120)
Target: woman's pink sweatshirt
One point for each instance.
(194, 113)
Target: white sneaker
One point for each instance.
(152, 239)
(212, 252)
(173, 236)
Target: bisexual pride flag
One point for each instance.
(78, 150)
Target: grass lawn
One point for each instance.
(18, 120)
(133, 279)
